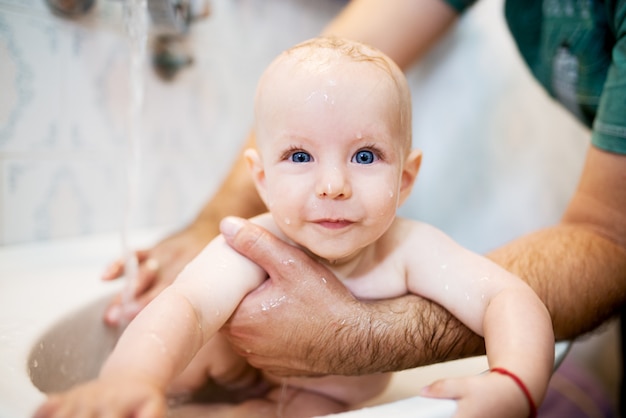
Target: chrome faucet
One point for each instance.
(71, 8)
(172, 17)
(170, 23)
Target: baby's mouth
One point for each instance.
(334, 223)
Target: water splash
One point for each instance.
(136, 21)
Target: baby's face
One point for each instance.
(332, 151)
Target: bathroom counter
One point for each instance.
(42, 284)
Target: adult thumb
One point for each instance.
(259, 245)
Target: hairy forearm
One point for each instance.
(398, 334)
(579, 275)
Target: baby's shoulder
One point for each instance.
(413, 229)
(415, 235)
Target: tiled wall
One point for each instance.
(499, 157)
(64, 108)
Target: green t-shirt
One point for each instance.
(577, 50)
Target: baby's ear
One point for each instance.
(255, 166)
(409, 173)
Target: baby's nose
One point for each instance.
(333, 184)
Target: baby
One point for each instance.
(333, 163)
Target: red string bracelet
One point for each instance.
(522, 386)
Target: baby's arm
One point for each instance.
(497, 305)
(164, 338)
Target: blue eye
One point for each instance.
(300, 157)
(364, 157)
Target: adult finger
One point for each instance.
(444, 388)
(115, 270)
(260, 246)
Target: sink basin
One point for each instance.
(73, 350)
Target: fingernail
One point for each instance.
(152, 264)
(113, 314)
(230, 225)
(108, 273)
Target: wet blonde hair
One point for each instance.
(322, 53)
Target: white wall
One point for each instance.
(499, 157)
(64, 100)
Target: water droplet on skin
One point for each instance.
(324, 280)
(266, 306)
(288, 262)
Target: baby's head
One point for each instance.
(327, 67)
(333, 131)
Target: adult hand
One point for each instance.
(299, 310)
(157, 268)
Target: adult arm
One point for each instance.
(404, 30)
(578, 267)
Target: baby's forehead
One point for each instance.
(313, 68)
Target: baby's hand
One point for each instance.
(486, 395)
(110, 398)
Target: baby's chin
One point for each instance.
(332, 258)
